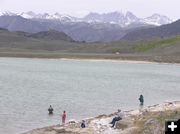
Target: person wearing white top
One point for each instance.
(119, 117)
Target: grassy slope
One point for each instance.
(162, 50)
(14, 40)
(143, 47)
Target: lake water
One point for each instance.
(82, 88)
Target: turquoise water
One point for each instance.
(82, 88)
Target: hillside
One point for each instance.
(51, 35)
(163, 31)
(17, 23)
(49, 44)
(51, 41)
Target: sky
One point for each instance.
(79, 8)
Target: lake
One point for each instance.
(83, 88)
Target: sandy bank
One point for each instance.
(97, 60)
(133, 58)
(148, 120)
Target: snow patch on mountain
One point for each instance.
(157, 19)
(122, 19)
(7, 13)
(125, 19)
(46, 16)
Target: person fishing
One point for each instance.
(50, 109)
(64, 117)
(141, 99)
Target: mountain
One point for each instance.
(46, 16)
(22, 41)
(17, 23)
(123, 19)
(51, 35)
(113, 18)
(79, 31)
(7, 13)
(126, 19)
(44, 35)
(82, 31)
(3, 29)
(94, 27)
(168, 30)
(157, 19)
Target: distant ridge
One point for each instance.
(94, 27)
(51, 35)
(168, 30)
(17, 23)
(123, 19)
(3, 29)
(46, 40)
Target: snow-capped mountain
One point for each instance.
(131, 18)
(122, 19)
(7, 13)
(46, 16)
(126, 19)
(113, 18)
(94, 27)
(157, 19)
(28, 15)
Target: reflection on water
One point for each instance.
(82, 88)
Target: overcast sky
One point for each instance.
(141, 8)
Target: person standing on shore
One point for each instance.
(141, 99)
(64, 117)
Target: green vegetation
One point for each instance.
(143, 47)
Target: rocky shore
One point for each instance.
(147, 120)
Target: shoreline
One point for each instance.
(91, 57)
(96, 60)
(133, 121)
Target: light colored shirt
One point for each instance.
(120, 114)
